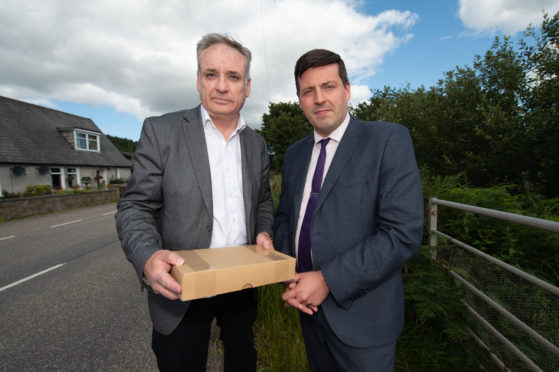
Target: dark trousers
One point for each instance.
(327, 353)
(186, 348)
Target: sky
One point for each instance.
(118, 62)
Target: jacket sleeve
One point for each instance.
(265, 206)
(136, 217)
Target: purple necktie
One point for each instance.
(304, 258)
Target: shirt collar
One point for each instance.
(207, 121)
(337, 134)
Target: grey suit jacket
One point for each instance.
(168, 203)
(367, 223)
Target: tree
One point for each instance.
(470, 122)
(541, 61)
(282, 125)
(123, 144)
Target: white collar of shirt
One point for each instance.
(208, 122)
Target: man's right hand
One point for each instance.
(157, 270)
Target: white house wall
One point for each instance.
(17, 184)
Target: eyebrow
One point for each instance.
(213, 70)
(321, 85)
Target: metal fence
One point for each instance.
(516, 314)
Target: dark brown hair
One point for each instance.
(317, 58)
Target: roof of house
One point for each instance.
(32, 134)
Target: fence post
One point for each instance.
(433, 227)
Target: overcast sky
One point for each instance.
(119, 61)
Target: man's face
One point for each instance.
(221, 82)
(323, 98)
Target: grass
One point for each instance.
(278, 334)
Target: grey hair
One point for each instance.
(215, 38)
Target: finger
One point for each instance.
(167, 293)
(288, 294)
(296, 304)
(171, 257)
(268, 244)
(171, 284)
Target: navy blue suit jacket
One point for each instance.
(367, 223)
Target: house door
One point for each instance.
(56, 181)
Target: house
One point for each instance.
(42, 146)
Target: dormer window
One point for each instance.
(87, 141)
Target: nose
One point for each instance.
(222, 84)
(319, 97)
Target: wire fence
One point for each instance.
(514, 315)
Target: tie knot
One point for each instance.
(323, 142)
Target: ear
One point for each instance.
(348, 91)
(247, 89)
(198, 81)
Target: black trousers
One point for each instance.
(186, 348)
(327, 353)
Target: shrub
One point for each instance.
(6, 194)
(36, 190)
(115, 181)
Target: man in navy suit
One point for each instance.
(351, 211)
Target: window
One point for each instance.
(87, 141)
(71, 177)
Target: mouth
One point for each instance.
(322, 111)
(220, 101)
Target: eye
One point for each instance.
(210, 75)
(235, 77)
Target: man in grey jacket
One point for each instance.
(200, 179)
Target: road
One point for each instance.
(69, 299)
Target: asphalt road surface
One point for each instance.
(69, 299)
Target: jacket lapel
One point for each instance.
(196, 145)
(247, 163)
(347, 146)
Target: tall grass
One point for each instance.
(278, 334)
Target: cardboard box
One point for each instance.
(208, 272)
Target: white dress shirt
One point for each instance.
(229, 224)
(331, 147)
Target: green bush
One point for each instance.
(6, 194)
(36, 190)
(515, 244)
(86, 181)
(116, 181)
(435, 336)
